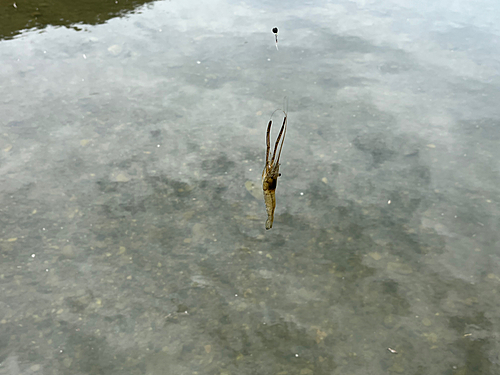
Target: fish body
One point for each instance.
(269, 184)
(272, 171)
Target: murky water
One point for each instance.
(132, 235)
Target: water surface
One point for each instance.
(132, 235)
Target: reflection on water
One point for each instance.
(132, 234)
(27, 14)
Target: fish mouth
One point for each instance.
(269, 224)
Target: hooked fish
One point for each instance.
(272, 170)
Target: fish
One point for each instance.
(272, 169)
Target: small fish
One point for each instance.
(272, 170)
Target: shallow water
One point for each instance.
(132, 235)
